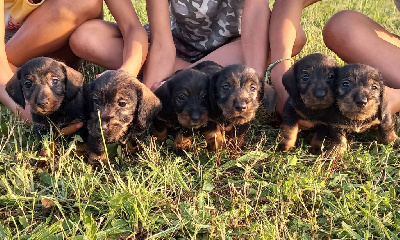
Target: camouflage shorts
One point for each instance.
(184, 50)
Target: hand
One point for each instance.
(72, 128)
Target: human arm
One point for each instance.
(284, 29)
(134, 36)
(162, 52)
(254, 34)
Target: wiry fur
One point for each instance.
(53, 91)
(125, 106)
(236, 92)
(185, 106)
(309, 83)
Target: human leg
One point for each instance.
(45, 31)
(48, 28)
(355, 38)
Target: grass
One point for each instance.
(255, 193)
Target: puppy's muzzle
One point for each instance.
(320, 94)
(360, 101)
(240, 106)
(42, 102)
(195, 116)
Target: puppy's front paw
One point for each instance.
(287, 138)
(215, 140)
(98, 160)
(181, 142)
(161, 136)
(316, 145)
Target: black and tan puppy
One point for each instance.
(120, 108)
(53, 91)
(309, 83)
(236, 92)
(184, 98)
(361, 103)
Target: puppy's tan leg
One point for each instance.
(287, 137)
(182, 141)
(161, 136)
(96, 160)
(318, 139)
(132, 146)
(214, 138)
(339, 144)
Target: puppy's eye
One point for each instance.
(305, 77)
(226, 86)
(55, 80)
(121, 103)
(330, 76)
(252, 88)
(28, 84)
(345, 84)
(204, 96)
(374, 87)
(95, 100)
(181, 97)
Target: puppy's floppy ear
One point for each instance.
(269, 98)
(73, 83)
(14, 89)
(148, 105)
(289, 81)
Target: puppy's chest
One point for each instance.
(357, 126)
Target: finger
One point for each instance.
(71, 129)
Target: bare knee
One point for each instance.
(76, 10)
(300, 41)
(341, 26)
(80, 41)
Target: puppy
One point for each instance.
(184, 98)
(309, 83)
(361, 103)
(235, 94)
(120, 107)
(53, 91)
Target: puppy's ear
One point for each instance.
(73, 83)
(289, 81)
(14, 89)
(269, 98)
(148, 105)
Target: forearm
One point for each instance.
(159, 63)
(254, 36)
(162, 53)
(135, 50)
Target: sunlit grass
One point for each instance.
(255, 193)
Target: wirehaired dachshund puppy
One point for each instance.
(361, 104)
(120, 108)
(185, 106)
(53, 91)
(236, 92)
(309, 83)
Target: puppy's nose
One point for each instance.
(320, 94)
(42, 102)
(195, 116)
(240, 106)
(361, 101)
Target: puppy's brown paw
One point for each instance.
(97, 161)
(316, 145)
(161, 136)
(181, 142)
(287, 138)
(337, 148)
(215, 140)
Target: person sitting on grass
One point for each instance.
(351, 35)
(34, 28)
